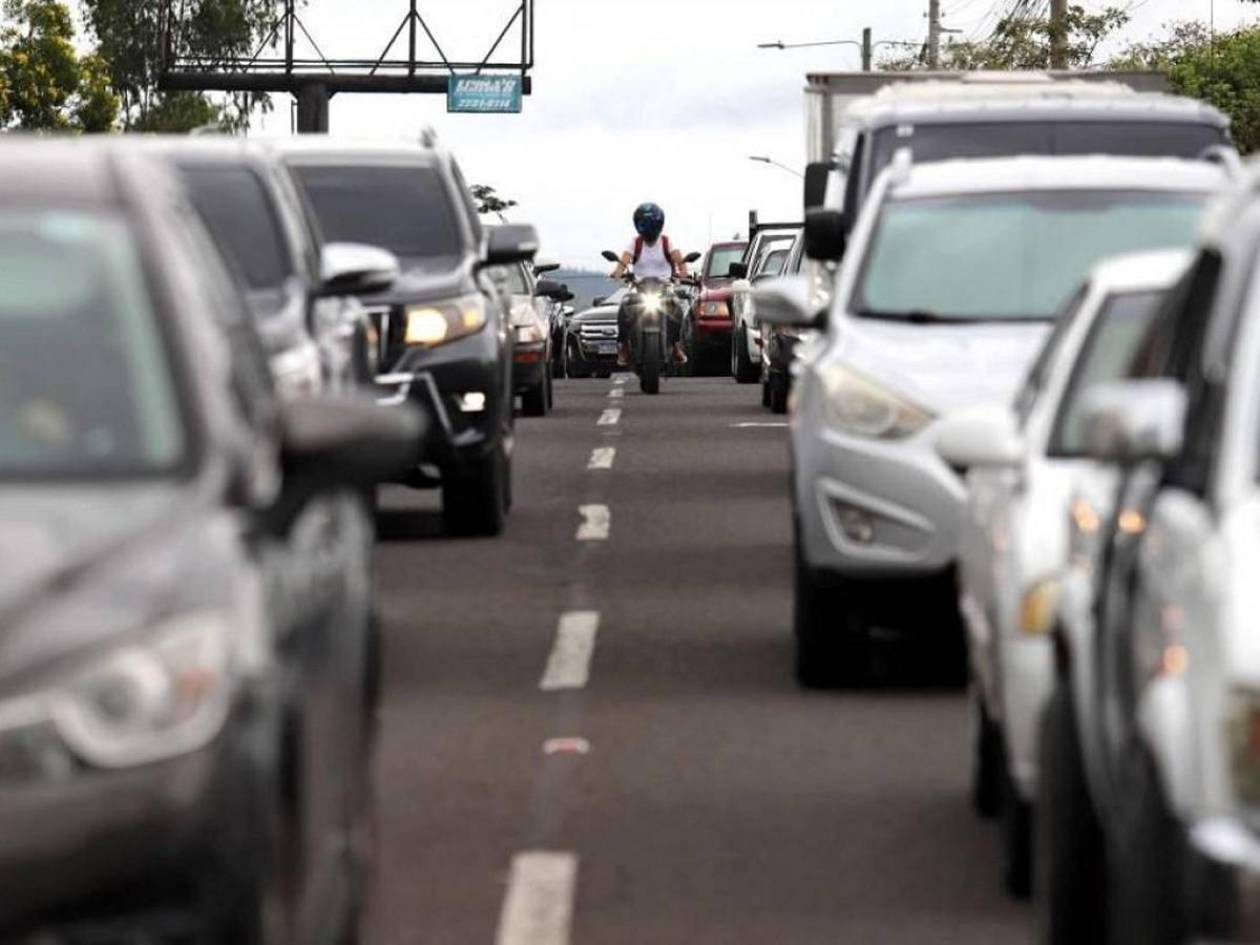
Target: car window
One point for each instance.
(1010, 255)
(86, 385)
(767, 245)
(1108, 355)
(773, 263)
(239, 213)
(1039, 373)
(406, 210)
(721, 258)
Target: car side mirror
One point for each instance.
(565, 295)
(340, 440)
(1128, 422)
(817, 175)
(826, 235)
(356, 269)
(789, 302)
(548, 289)
(542, 267)
(980, 437)
(511, 244)
(737, 270)
(691, 257)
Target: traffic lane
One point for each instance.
(467, 625)
(720, 803)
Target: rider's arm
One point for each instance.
(680, 267)
(622, 265)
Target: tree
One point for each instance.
(44, 84)
(488, 201)
(133, 37)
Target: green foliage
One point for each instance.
(1224, 71)
(488, 201)
(44, 84)
(130, 36)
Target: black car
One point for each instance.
(443, 329)
(185, 662)
(590, 339)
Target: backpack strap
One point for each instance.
(669, 256)
(638, 249)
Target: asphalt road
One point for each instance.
(701, 797)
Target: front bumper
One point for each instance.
(1223, 881)
(135, 845)
(871, 507)
(593, 353)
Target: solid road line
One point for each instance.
(602, 458)
(596, 523)
(609, 417)
(569, 666)
(538, 907)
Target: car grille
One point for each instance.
(598, 332)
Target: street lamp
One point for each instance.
(761, 159)
(866, 46)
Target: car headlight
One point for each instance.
(861, 406)
(149, 699)
(1039, 608)
(297, 371)
(435, 324)
(531, 333)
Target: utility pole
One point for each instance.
(1058, 34)
(934, 34)
(867, 48)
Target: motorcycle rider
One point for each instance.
(651, 256)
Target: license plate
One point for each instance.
(606, 347)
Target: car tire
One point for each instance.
(986, 761)
(743, 368)
(475, 501)
(1068, 851)
(765, 393)
(1148, 855)
(569, 360)
(778, 394)
(1017, 838)
(534, 400)
(832, 647)
(551, 393)
(558, 365)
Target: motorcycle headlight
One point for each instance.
(652, 303)
(150, 699)
(861, 406)
(435, 324)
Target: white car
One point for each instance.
(1022, 467)
(764, 258)
(1149, 792)
(951, 281)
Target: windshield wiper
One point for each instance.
(917, 316)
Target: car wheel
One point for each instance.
(1068, 851)
(744, 369)
(474, 502)
(1145, 879)
(551, 393)
(986, 761)
(558, 367)
(570, 361)
(765, 393)
(778, 394)
(1017, 818)
(534, 400)
(832, 647)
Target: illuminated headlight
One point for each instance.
(652, 303)
(714, 308)
(431, 325)
(148, 700)
(862, 406)
(1039, 608)
(297, 371)
(472, 402)
(1243, 731)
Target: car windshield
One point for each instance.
(722, 258)
(1009, 255)
(403, 209)
(772, 265)
(239, 214)
(85, 385)
(1107, 355)
(940, 142)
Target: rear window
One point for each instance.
(239, 214)
(406, 210)
(971, 140)
(722, 258)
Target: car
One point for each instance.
(782, 344)
(187, 674)
(562, 314)
(706, 334)
(590, 340)
(1021, 468)
(1006, 115)
(1148, 742)
(923, 324)
(763, 259)
(248, 201)
(444, 328)
(531, 319)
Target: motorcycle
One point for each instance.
(650, 307)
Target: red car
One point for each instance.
(707, 330)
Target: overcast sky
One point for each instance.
(638, 100)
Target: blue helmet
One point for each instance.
(649, 221)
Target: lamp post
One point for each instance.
(866, 46)
(761, 159)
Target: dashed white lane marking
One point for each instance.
(596, 523)
(569, 666)
(538, 907)
(769, 424)
(566, 746)
(602, 458)
(617, 392)
(609, 417)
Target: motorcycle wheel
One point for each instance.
(650, 378)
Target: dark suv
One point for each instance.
(443, 330)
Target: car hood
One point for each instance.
(426, 280)
(944, 367)
(604, 313)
